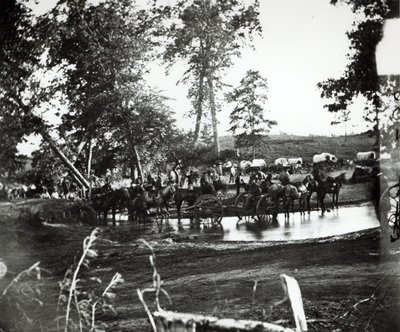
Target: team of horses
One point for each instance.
(138, 201)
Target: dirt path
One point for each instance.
(209, 277)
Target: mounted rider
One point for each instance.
(254, 191)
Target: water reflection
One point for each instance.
(342, 221)
(296, 227)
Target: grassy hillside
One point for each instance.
(291, 146)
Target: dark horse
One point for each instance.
(328, 185)
(138, 209)
(104, 199)
(160, 199)
(312, 187)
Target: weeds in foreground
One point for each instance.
(156, 288)
(80, 298)
(18, 299)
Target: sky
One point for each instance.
(303, 42)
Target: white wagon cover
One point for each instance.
(281, 161)
(258, 163)
(370, 155)
(324, 156)
(295, 161)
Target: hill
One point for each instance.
(292, 146)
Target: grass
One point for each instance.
(290, 146)
(80, 299)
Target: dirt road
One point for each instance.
(347, 285)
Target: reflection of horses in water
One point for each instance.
(328, 185)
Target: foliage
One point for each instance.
(102, 51)
(248, 123)
(79, 296)
(20, 297)
(207, 35)
(360, 77)
(18, 58)
(390, 116)
(46, 168)
(157, 287)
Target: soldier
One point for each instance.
(254, 191)
(238, 182)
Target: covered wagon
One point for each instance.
(258, 163)
(324, 157)
(281, 162)
(370, 155)
(297, 162)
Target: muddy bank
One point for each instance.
(203, 275)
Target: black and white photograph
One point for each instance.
(199, 165)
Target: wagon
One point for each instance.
(207, 208)
(390, 204)
(261, 208)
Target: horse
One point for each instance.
(138, 209)
(330, 185)
(311, 186)
(103, 199)
(100, 202)
(295, 191)
(118, 200)
(277, 193)
(287, 193)
(162, 199)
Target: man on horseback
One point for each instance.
(254, 191)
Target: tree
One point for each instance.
(207, 34)
(18, 59)
(360, 78)
(248, 123)
(104, 50)
(143, 128)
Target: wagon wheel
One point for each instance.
(389, 205)
(240, 208)
(208, 207)
(265, 209)
(240, 201)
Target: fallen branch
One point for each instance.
(354, 307)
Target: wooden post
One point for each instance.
(293, 295)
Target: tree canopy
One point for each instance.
(207, 35)
(248, 123)
(360, 78)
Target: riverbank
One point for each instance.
(346, 282)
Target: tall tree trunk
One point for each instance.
(134, 158)
(79, 150)
(64, 159)
(214, 116)
(89, 165)
(76, 180)
(138, 163)
(132, 166)
(199, 107)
